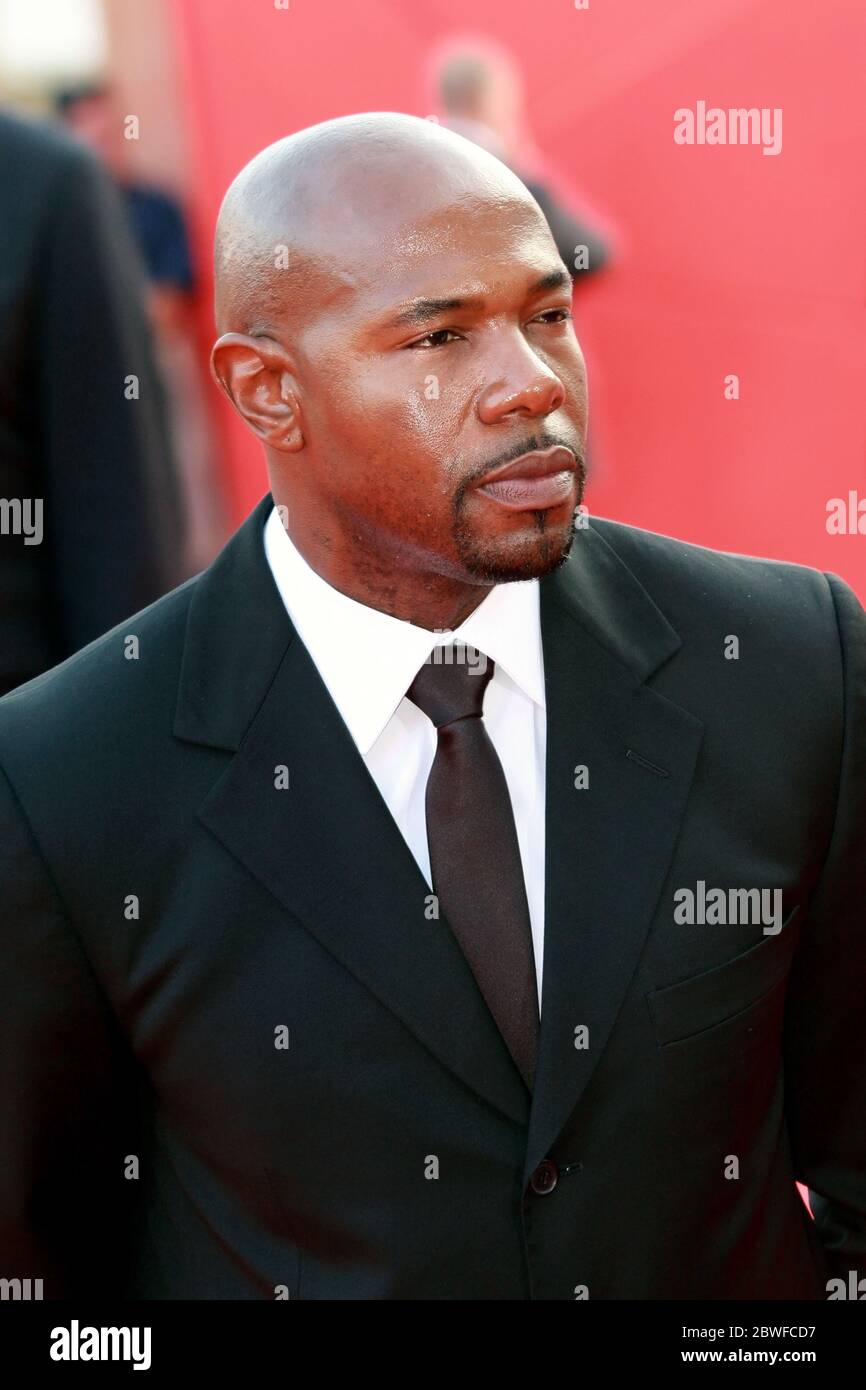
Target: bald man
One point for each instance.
(447, 894)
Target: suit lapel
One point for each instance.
(608, 845)
(327, 847)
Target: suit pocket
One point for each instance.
(719, 999)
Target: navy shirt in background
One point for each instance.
(159, 229)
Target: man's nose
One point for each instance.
(519, 383)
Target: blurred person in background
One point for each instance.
(158, 225)
(92, 524)
(480, 90)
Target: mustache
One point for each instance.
(545, 440)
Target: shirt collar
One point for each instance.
(368, 659)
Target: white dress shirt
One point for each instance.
(367, 659)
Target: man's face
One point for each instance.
(409, 404)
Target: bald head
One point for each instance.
(394, 323)
(293, 219)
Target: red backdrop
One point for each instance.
(729, 261)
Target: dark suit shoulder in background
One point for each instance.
(74, 347)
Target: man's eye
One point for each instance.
(427, 340)
(564, 315)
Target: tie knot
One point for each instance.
(450, 685)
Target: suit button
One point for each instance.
(545, 1177)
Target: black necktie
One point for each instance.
(474, 853)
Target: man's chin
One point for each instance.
(506, 559)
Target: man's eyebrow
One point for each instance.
(554, 280)
(421, 311)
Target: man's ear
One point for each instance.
(257, 375)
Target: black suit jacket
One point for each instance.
(72, 330)
(169, 908)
